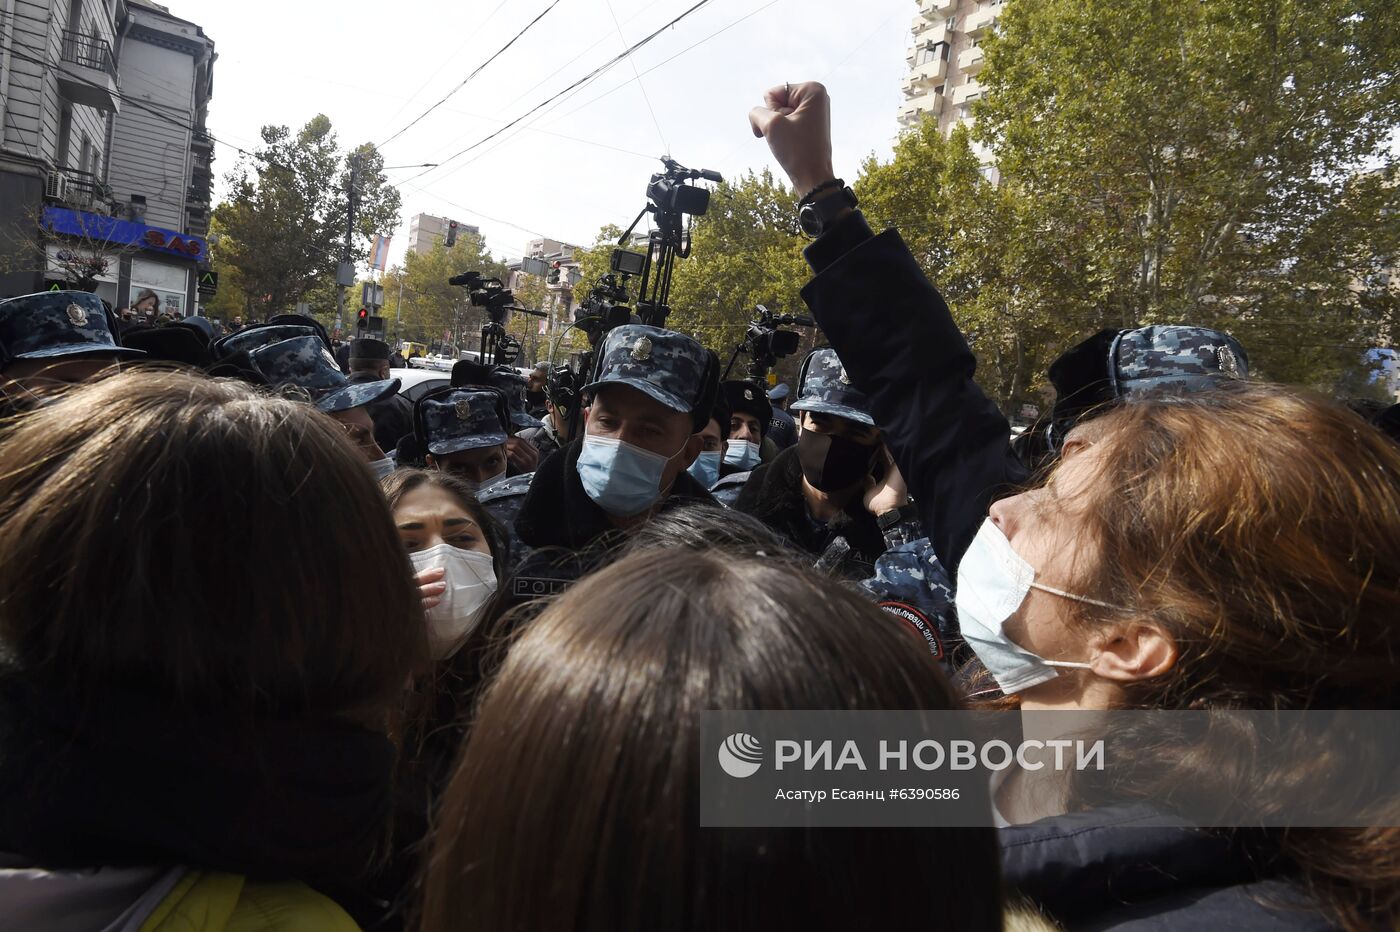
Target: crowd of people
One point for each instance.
(283, 649)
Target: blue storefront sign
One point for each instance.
(111, 230)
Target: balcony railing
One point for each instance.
(88, 51)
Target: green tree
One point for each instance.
(432, 307)
(1222, 162)
(284, 224)
(977, 242)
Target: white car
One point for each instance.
(418, 382)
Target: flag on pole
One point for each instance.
(379, 257)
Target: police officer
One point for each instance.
(750, 414)
(522, 455)
(464, 433)
(392, 415)
(782, 430)
(304, 364)
(709, 465)
(653, 392)
(830, 493)
(54, 338)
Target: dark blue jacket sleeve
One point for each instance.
(900, 346)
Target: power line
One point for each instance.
(447, 60)
(667, 61)
(580, 82)
(532, 126)
(479, 69)
(665, 146)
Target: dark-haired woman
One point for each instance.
(575, 804)
(194, 734)
(459, 552)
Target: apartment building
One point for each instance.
(105, 164)
(945, 57)
(424, 230)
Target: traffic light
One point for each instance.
(451, 234)
(363, 320)
(553, 278)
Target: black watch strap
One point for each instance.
(816, 216)
(889, 519)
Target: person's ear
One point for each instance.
(430, 461)
(1131, 652)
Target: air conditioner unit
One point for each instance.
(56, 186)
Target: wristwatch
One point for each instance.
(906, 512)
(815, 216)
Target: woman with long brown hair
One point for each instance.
(207, 622)
(575, 804)
(1230, 550)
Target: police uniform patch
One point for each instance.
(918, 623)
(1229, 362)
(642, 349)
(748, 394)
(77, 315)
(844, 379)
(463, 409)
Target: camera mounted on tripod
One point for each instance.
(498, 348)
(765, 342)
(672, 197)
(605, 308)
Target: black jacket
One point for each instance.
(773, 495)
(567, 534)
(901, 347)
(1130, 867)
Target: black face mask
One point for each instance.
(536, 399)
(831, 463)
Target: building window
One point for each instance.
(952, 23)
(85, 155)
(65, 132)
(167, 282)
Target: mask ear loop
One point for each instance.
(1077, 598)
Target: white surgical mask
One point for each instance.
(745, 454)
(705, 469)
(478, 487)
(993, 581)
(382, 468)
(471, 580)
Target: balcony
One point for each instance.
(929, 73)
(87, 73)
(971, 60)
(927, 32)
(201, 141)
(979, 21)
(966, 93)
(77, 190)
(916, 108)
(940, 7)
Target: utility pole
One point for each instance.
(347, 269)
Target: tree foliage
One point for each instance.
(284, 224)
(431, 307)
(1222, 162)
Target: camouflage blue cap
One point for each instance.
(307, 363)
(251, 338)
(1174, 359)
(462, 419)
(513, 385)
(667, 366)
(826, 389)
(52, 324)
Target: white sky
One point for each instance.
(372, 67)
